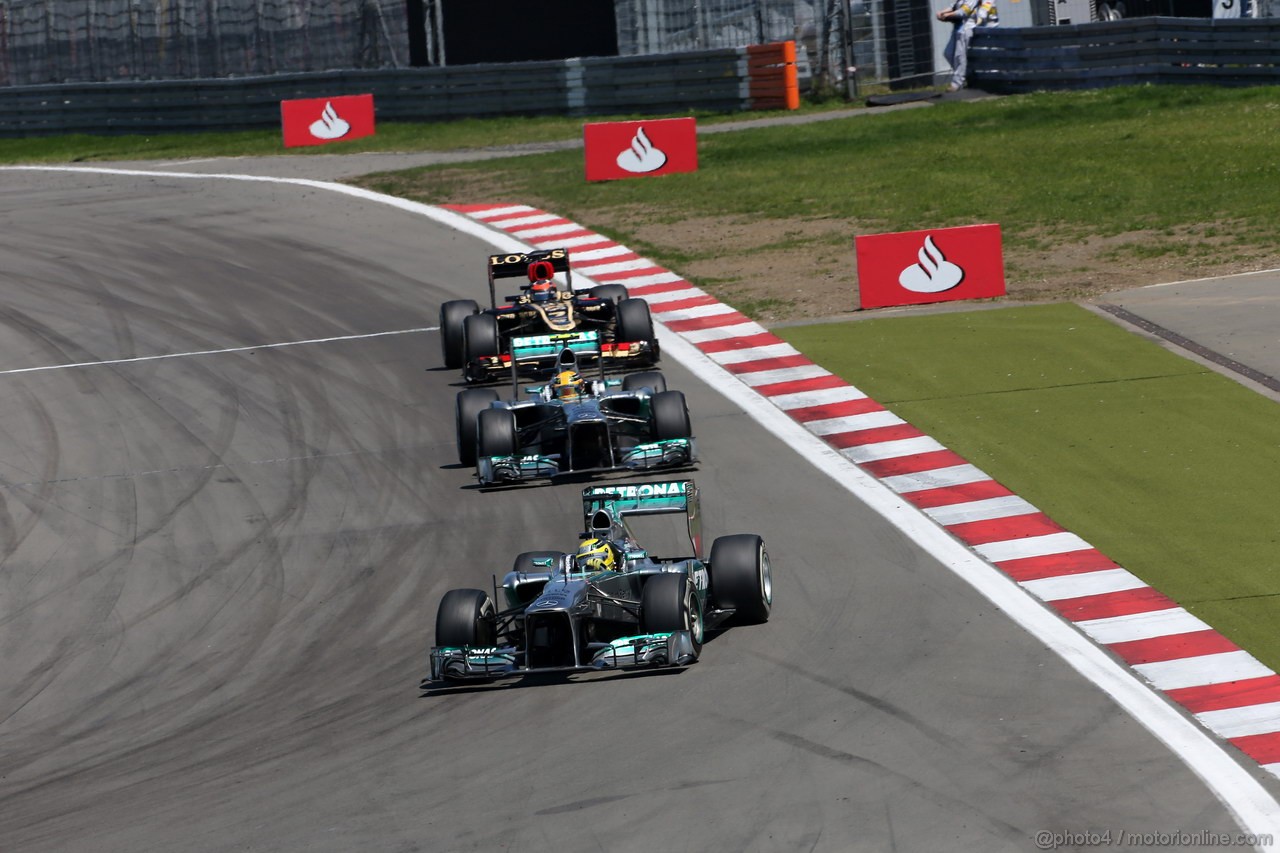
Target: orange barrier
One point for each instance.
(771, 75)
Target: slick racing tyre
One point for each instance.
(496, 433)
(652, 379)
(466, 617)
(670, 415)
(615, 293)
(452, 315)
(470, 403)
(741, 577)
(668, 603)
(479, 337)
(634, 321)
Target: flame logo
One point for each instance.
(642, 156)
(330, 125)
(933, 273)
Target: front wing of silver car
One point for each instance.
(642, 651)
(668, 453)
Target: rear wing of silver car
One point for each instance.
(562, 349)
(515, 264)
(603, 507)
(541, 347)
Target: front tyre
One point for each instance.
(470, 403)
(670, 415)
(496, 433)
(668, 603)
(741, 577)
(466, 617)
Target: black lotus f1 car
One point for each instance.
(479, 341)
(557, 613)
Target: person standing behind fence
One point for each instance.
(965, 16)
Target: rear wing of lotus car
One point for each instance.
(603, 507)
(515, 264)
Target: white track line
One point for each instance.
(1213, 278)
(1254, 808)
(106, 362)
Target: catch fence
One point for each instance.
(79, 41)
(94, 41)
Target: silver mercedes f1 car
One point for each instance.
(572, 424)
(617, 607)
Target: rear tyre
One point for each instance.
(452, 316)
(741, 577)
(470, 403)
(479, 337)
(634, 321)
(496, 433)
(652, 379)
(466, 617)
(670, 415)
(615, 293)
(668, 603)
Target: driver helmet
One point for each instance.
(541, 287)
(595, 555)
(567, 386)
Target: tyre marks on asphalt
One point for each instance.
(1226, 689)
(229, 598)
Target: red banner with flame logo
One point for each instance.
(633, 149)
(319, 121)
(940, 265)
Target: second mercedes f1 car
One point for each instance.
(571, 424)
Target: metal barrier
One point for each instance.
(717, 80)
(1239, 52)
(1002, 60)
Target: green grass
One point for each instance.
(1165, 466)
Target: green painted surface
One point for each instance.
(1168, 468)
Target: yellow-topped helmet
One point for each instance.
(595, 555)
(567, 385)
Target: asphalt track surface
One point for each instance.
(221, 571)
